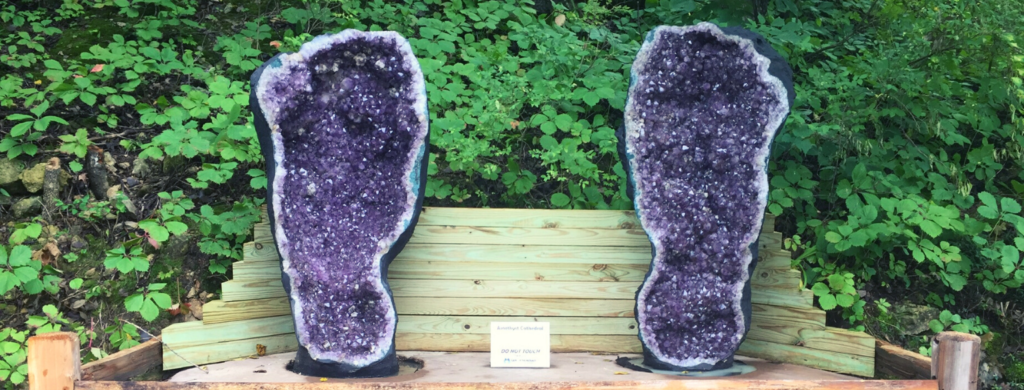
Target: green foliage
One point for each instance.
(953, 321)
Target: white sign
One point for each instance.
(521, 344)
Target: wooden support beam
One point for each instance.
(900, 363)
(125, 364)
(955, 359)
(53, 361)
(692, 384)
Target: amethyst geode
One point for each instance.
(704, 105)
(343, 127)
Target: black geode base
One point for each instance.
(779, 69)
(304, 363)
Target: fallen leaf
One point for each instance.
(96, 68)
(275, 44)
(515, 124)
(621, 373)
(47, 254)
(38, 82)
(78, 76)
(153, 242)
(560, 20)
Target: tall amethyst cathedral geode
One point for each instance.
(343, 127)
(704, 105)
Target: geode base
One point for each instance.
(704, 105)
(304, 364)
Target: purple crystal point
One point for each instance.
(343, 124)
(702, 110)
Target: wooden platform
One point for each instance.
(463, 268)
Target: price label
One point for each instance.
(521, 344)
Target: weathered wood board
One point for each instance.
(463, 268)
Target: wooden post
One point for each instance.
(955, 358)
(53, 361)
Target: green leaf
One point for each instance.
(845, 300)
(8, 281)
(21, 255)
(1010, 206)
(559, 199)
(946, 317)
(26, 274)
(987, 199)
(134, 302)
(41, 108)
(836, 282)
(827, 302)
(88, 98)
(933, 229)
(176, 228)
(75, 283)
(149, 310)
(548, 128)
(833, 237)
(563, 121)
(936, 326)
(161, 300)
(20, 129)
(820, 289)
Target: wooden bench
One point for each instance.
(463, 268)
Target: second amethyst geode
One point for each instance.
(704, 105)
(343, 127)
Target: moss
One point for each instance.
(1015, 370)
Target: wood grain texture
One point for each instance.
(529, 218)
(515, 307)
(548, 254)
(260, 251)
(679, 384)
(899, 363)
(794, 297)
(216, 312)
(786, 332)
(53, 361)
(826, 360)
(229, 350)
(125, 364)
(482, 343)
(252, 270)
(571, 272)
(530, 236)
(482, 325)
(194, 333)
(955, 359)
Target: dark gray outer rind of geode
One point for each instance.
(407, 75)
(779, 69)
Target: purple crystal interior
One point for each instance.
(701, 114)
(348, 120)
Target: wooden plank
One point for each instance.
(531, 218)
(512, 289)
(237, 290)
(515, 307)
(482, 325)
(216, 312)
(245, 290)
(260, 251)
(53, 361)
(551, 254)
(252, 270)
(806, 317)
(197, 333)
(530, 236)
(219, 352)
(789, 332)
(125, 364)
(787, 279)
(581, 272)
(482, 343)
(769, 223)
(831, 361)
(769, 241)
(791, 298)
(777, 259)
(400, 269)
(675, 384)
(900, 363)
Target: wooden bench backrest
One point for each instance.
(463, 268)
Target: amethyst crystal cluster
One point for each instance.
(703, 107)
(343, 126)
